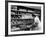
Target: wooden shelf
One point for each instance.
(20, 18)
(21, 11)
(35, 12)
(16, 14)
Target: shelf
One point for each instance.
(21, 19)
(22, 11)
(16, 14)
(35, 12)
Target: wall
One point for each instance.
(2, 19)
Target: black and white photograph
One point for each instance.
(24, 18)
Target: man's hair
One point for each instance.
(34, 15)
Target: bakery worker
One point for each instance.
(37, 20)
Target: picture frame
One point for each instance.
(9, 5)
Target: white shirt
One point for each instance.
(36, 20)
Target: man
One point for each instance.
(36, 24)
(37, 21)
